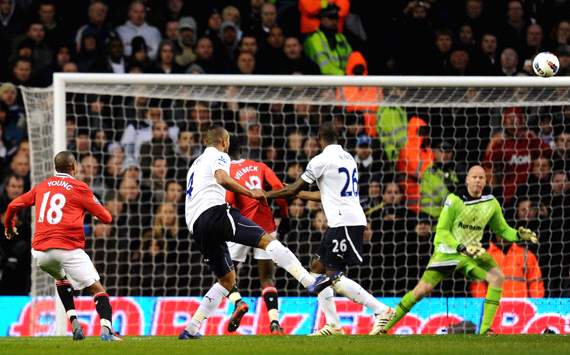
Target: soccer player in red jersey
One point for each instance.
(61, 202)
(255, 175)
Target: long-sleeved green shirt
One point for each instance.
(463, 221)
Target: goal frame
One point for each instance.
(61, 80)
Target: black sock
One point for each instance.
(270, 297)
(65, 292)
(103, 307)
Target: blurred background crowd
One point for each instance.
(134, 152)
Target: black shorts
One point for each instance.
(341, 247)
(218, 225)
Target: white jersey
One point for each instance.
(336, 174)
(202, 190)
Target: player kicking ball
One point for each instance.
(212, 223)
(254, 175)
(336, 174)
(458, 247)
(59, 240)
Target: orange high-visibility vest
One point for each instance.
(412, 162)
(310, 14)
(367, 97)
(523, 277)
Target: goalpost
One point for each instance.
(119, 137)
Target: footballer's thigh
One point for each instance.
(49, 261)
(341, 247)
(79, 269)
(246, 232)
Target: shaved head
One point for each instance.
(476, 180)
(218, 137)
(64, 162)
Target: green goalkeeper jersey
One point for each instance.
(463, 221)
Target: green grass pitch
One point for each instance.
(295, 345)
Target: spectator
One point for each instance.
(22, 72)
(187, 32)
(560, 35)
(89, 174)
(14, 124)
(311, 11)
(268, 21)
(187, 149)
(474, 17)
(171, 30)
(271, 53)
(523, 277)
(89, 51)
(205, 58)
(439, 180)
(563, 52)
(513, 31)
(114, 60)
(510, 62)
(42, 54)
(165, 63)
(97, 24)
(248, 43)
(466, 38)
(170, 10)
(230, 39)
(20, 166)
(295, 61)
(139, 56)
(326, 47)
(416, 37)
(159, 146)
(537, 187)
(136, 26)
(414, 159)
(15, 257)
(486, 61)
(511, 151)
(253, 134)
(546, 130)
(458, 63)
(534, 41)
(562, 153)
(252, 20)
(140, 132)
(11, 25)
(174, 193)
(245, 63)
(55, 34)
(157, 178)
(365, 163)
(443, 45)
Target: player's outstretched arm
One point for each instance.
(19, 203)
(499, 225)
(93, 206)
(289, 190)
(228, 183)
(310, 195)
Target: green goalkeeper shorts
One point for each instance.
(442, 265)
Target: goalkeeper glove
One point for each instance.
(528, 235)
(473, 251)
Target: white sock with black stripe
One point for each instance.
(284, 258)
(348, 288)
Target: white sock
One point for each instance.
(346, 287)
(208, 305)
(326, 301)
(283, 257)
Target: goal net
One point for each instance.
(414, 139)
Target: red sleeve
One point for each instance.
(92, 204)
(231, 198)
(26, 200)
(272, 180)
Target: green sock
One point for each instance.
(490, 308)
(406, 303)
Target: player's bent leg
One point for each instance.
(284, 258)
(65, 293)
(228, 281)
(495, 278)
(425, 286)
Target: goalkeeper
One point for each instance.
(458, 247)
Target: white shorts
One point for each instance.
(73, 264)
(238, 252)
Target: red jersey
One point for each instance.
(514, 156)
(61, 202)
(255, 175)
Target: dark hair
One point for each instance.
(328, 132)
(11, 176)
(64, 161)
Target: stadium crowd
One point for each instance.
(134, 152)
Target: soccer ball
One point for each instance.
(545, 64)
